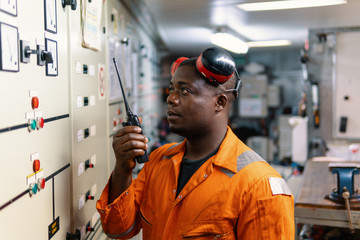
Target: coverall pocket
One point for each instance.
(208, 230)
(147, 222)
(208, 236)
(274, 217)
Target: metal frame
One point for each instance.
(337, 31)
(12, 14)
(326, 217)
(46, 4)
(1, 48)
(55, 58)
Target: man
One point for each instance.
(211, 185)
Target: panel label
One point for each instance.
(91, 70)
(93, 189)
(81, 202)
(34, 156)
(29, 115)
(54, 227)
(81, 168)
(38, 114)
(93, 159)
(80, 135)
(92, 100)
(30, 179)
(79, 101)
(92, 130)
(33, 93)
(78, 67)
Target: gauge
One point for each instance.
(9, 51)
(9, 6)
(52, 68)
(50, 16)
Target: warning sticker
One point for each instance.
(54, 227)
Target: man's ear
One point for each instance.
(221, 101)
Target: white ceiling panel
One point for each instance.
(186, 25)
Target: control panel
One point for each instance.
(61, 107)
(347, 73)
(34, 130)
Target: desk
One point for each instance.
(311, 207)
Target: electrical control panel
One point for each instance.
(346, 97)
(61, 107)
(34, 129)
(253, 99)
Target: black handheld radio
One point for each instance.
(132, 119)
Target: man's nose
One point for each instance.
(172, 99)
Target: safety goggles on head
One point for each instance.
(216, 65)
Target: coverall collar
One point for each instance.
(224, 158)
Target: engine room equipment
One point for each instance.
(313, 206)
(345, 181)
(345, 192)
(299, 142)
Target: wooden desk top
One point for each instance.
(319, 182)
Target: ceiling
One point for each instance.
(186, 25)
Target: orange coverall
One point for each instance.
(233, 195)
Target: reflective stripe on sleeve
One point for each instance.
(279, 186)
(123, 234)
(246, 158)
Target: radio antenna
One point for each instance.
(127, 108)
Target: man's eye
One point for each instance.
(171, 90)
(184, 90)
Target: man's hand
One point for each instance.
(128, 143)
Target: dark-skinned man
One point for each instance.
(211, 185)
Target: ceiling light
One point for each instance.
(274, 43)
(229, 42)
(288, 4)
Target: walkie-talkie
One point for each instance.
(132, 119)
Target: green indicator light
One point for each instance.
(35, 188)
(33, 124)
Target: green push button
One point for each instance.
(33, 124)
(34, 188)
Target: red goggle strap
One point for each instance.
(176, 64)
(210, 75)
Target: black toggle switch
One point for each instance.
(86, 132)
(88, 164)
(46, 56)
(72, 3)
(125, 40)
(86, 101)
(43, 56)
(89, 228)
(75, 236)
(89, 196)
(85, 69)
(343, 123)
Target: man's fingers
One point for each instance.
(133, 145)
(129, 137)
(126, 130)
